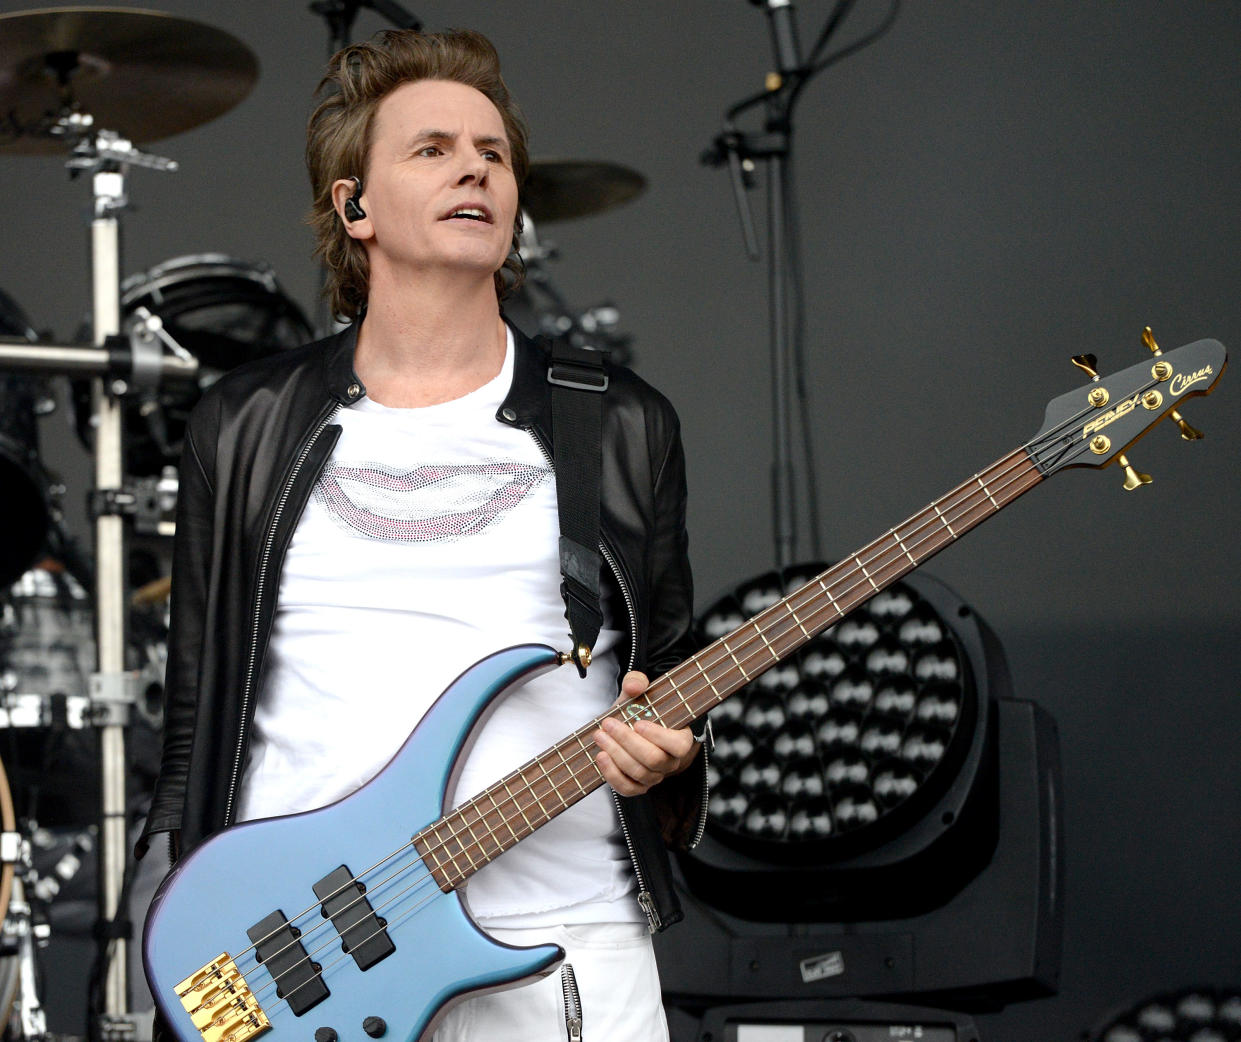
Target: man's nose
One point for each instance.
(473, 169)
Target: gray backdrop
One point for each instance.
(988, 190)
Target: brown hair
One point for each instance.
(338, 138)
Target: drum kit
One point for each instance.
(83, 637)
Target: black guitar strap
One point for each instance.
(578, 381)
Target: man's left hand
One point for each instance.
(637, 756)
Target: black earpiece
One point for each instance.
(353, 210)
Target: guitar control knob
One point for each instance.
(375, 1026)
(325, 1035)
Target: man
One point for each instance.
(363, 518)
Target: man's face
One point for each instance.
(439, 193)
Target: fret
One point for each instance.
(865, 572)
(590, 758)
(461, 849)
(482, 850)
(744, 672)
(677, 690)
(828, 594)
(789, 608)
(935, 507)
(537, 799)
(517, 804)
(710, 682)
(490, 794)
(901, 543)
(774, 656)
(987, 491)
(435, 851)
(572, 773)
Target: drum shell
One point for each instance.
(23, 482)
(224, 312)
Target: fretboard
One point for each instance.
(470, 836)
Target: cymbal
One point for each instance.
(561, 189)
(144, 74)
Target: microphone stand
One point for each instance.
(340, 14)
(739, 151)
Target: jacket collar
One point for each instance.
(524, 404)
(342, 382)
(526, 401)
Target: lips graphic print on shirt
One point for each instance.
(430, 503)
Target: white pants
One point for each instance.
(614, 964)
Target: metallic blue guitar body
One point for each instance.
(421, 949)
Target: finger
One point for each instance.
(676, 742)
(634, 755)
(633, 684)
(616, 778)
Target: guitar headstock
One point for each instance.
(1096, 424)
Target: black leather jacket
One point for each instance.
(254, 447)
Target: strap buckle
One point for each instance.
(578, 378)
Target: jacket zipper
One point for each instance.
(248, 687)
(645, 899)
(706, 787)
(572, 1003)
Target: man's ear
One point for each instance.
(347, 201)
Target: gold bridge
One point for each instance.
(219, 1003)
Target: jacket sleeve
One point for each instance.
(190, 570)
(679, 801)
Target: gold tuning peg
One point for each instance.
(1187, 432)
(1087, 363)
(1133, 478)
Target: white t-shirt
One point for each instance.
(430, 540)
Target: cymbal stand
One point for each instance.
(31, 1023)
(107, 157)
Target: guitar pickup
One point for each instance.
(362, 932)
(298, 979)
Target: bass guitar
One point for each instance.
(347, 921)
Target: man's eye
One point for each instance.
(430, 150)
(493, 157)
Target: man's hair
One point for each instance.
(338, 138)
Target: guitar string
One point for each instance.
(964, 502)
(427, 877)
(964, 506)
(496, 806)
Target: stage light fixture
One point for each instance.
(825, 746)
(865, 749)
(884, 820)
(1187, 1015)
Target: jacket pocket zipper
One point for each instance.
(572, 1003)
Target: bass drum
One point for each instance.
(223, 311)
(23, 483)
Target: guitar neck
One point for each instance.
(470, 836)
